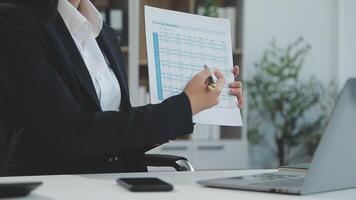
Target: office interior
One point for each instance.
(295, 56)
(266, 36)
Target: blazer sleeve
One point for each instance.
(47, 106)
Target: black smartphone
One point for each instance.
(144, 184)
(8, 190)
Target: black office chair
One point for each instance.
(179, 163)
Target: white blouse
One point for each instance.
(85, 25)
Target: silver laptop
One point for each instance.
(333, 166)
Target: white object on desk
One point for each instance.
(178, 46)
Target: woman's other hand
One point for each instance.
(236, 87)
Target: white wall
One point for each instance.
(327, 25)
(347, 40)
(286, 20)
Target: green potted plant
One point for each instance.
(210, 8)
(282, 106)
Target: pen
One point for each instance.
(210, 81)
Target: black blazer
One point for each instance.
(51, 108)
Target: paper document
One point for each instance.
(178, 47)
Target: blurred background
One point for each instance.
(294, 55)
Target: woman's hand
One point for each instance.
(200, 96)
(236, 88)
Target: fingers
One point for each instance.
(236, 71)
(241, 102)
(238, 93)
(236, 90)
(236, 84)
(221, 80)
(218, 73)
(205, 73)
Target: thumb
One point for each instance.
(220, 82)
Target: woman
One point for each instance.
(66, 98)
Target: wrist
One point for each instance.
(193, 105)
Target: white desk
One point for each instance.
(103, 186)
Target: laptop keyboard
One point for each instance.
(271, 176)
(289, 182)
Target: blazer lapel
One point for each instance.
(112, 51)
(64, 41)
